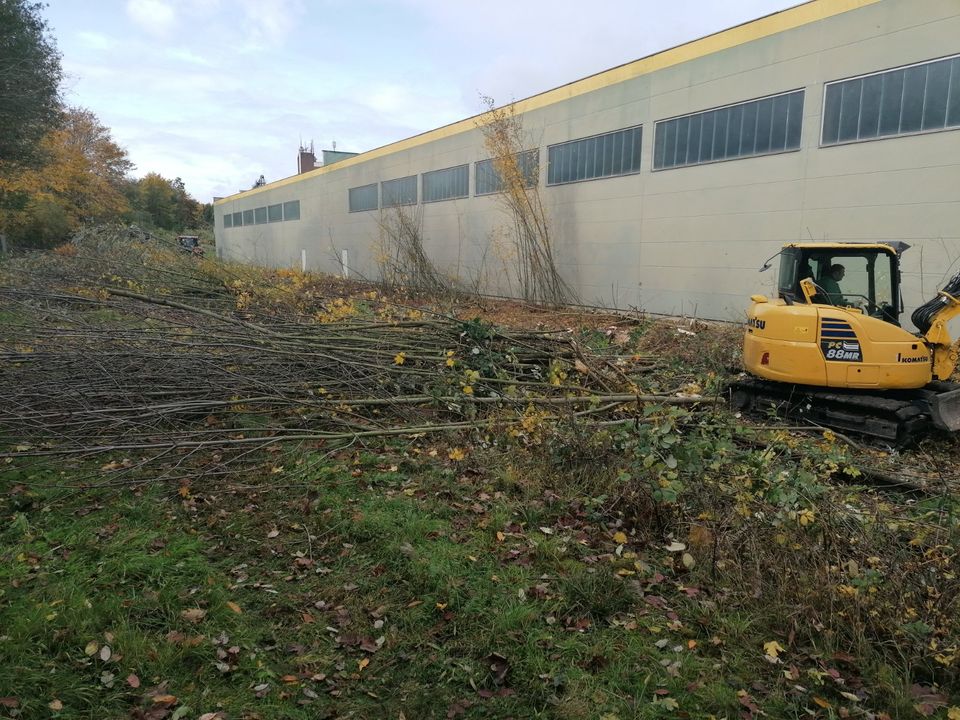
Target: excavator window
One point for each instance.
(869, 279)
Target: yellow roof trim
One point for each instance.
(778, 22)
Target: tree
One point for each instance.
(82, 179)
(158, 199)
(519, 196)
(30, 75)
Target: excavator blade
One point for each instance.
(945, 410)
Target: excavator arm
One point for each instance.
(931, 319)
(945, 351)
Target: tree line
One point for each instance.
(59, 166)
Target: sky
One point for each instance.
(218, 92)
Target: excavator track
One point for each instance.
(897, 416)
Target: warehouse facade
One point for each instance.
(668, 181)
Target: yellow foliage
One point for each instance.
(772, 649)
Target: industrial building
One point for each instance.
(668, 181)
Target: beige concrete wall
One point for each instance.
(684, 240)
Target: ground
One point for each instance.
(636, 559)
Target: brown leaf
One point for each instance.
(55, 705)
(193, 615)
(133, 681)
(233, 606)
(164, 699)
(9, 702)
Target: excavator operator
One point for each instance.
(830, 283)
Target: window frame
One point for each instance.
(533, 179)
(875, 73)
(375, 186)
(416, 189)
(726, 131)
(423, 183)
(576, 161)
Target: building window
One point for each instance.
(227, 220)
(237, 219)
(903, 101)
(291, 210)
(447, 184)
(402, 191)
(616, 153)
(275, 213)
(488, 180)
(248, 217)
(363, 198)
(756, 127)
(260, 216)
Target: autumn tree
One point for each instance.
(165, 204)
(517, 191)
(80, 180)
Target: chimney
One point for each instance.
(306, 160)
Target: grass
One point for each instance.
(388, 581)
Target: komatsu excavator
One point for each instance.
(830, 347)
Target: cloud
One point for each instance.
(96, 41)
(154, 16)
(186, 55)
(267, 23)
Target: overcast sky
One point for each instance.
(219, 91)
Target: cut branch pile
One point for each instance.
(120, 345)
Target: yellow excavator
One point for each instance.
(830, 347)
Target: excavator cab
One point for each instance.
(870, 276)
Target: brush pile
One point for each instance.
(120, 343)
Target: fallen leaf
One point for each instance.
(193, 615)
(620, 537)
(688, 561)
(9, 702)
(363, 663)
(133, 681)
(675, 547)
(546, 530)
(772, 648)
(273, 533)
(953, 713)
(822, 703)
(55, 705)
(233, 606)
(105, 653)
(164, 699)
(500, 536)
(91, 649)
(668, 702)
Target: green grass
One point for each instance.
(436, 589)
